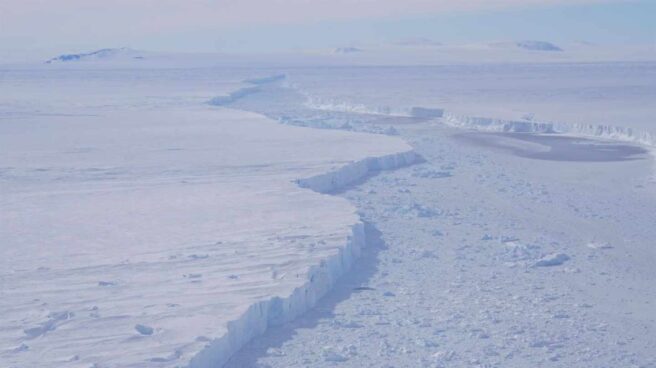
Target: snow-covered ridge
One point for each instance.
(253, 87)
(319, 279)
(528, 45)
(102, 54)
(537, 46)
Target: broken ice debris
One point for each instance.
(555, 259)
(144, 330)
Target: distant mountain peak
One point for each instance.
(537, 46)
(530, 45)
(347, 50)
(102, 54)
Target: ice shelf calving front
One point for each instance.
(169, 237)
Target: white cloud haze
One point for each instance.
(52, 22)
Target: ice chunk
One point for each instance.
(330, 355)
(143, 329)
(555, 259)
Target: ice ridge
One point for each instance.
(253, 86)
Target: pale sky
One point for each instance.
(270, 25)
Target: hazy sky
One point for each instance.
(269, 25)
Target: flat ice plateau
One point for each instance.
(160, 235)
(190, 217)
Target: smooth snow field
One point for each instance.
(454, 216)
(164, 235)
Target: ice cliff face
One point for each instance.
(277, 310)
(608, 132)
(337, 180)
(234, 96)
(496, 125)
(253, 86)
(579, 129)
(490, 124)
(319, 280)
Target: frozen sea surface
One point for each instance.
(488, 260)
(556, 147)
(541, 257)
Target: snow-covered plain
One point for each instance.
(144, 209)
(149, 228)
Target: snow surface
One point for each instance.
(163, 234)
(156, 216)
